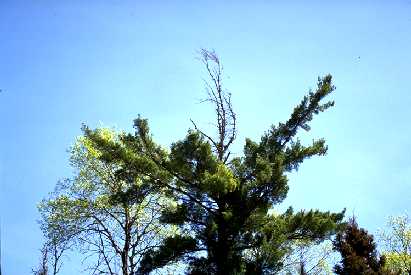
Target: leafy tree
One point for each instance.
(397, 244)
(358, 252)
(111, 217)
(222, 203)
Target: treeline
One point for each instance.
(135, 207)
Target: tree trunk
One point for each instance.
(126, 248)
(224, 256)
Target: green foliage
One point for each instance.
(277, 237)
(358, 252)
(172, 249)
(219, 183)
(397, 244)
(223, 204)
(106, 211)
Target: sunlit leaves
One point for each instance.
(107, 209)
(397, 244)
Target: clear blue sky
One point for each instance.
(63, 63)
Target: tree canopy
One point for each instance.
(111, 217)
(222, 203)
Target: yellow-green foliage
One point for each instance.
(84, 211)
(221, 182)
(397, 244)
(398, 262)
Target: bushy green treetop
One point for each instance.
(221, 203)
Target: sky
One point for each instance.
(101, 63)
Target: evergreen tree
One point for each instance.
(221, 203)
(358, 252)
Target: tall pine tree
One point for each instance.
(222, 203)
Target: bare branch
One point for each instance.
(226, 117)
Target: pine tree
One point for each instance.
(221, 203)
(358, 252)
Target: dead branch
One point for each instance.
(226, 117)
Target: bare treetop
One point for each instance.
(221, 99)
